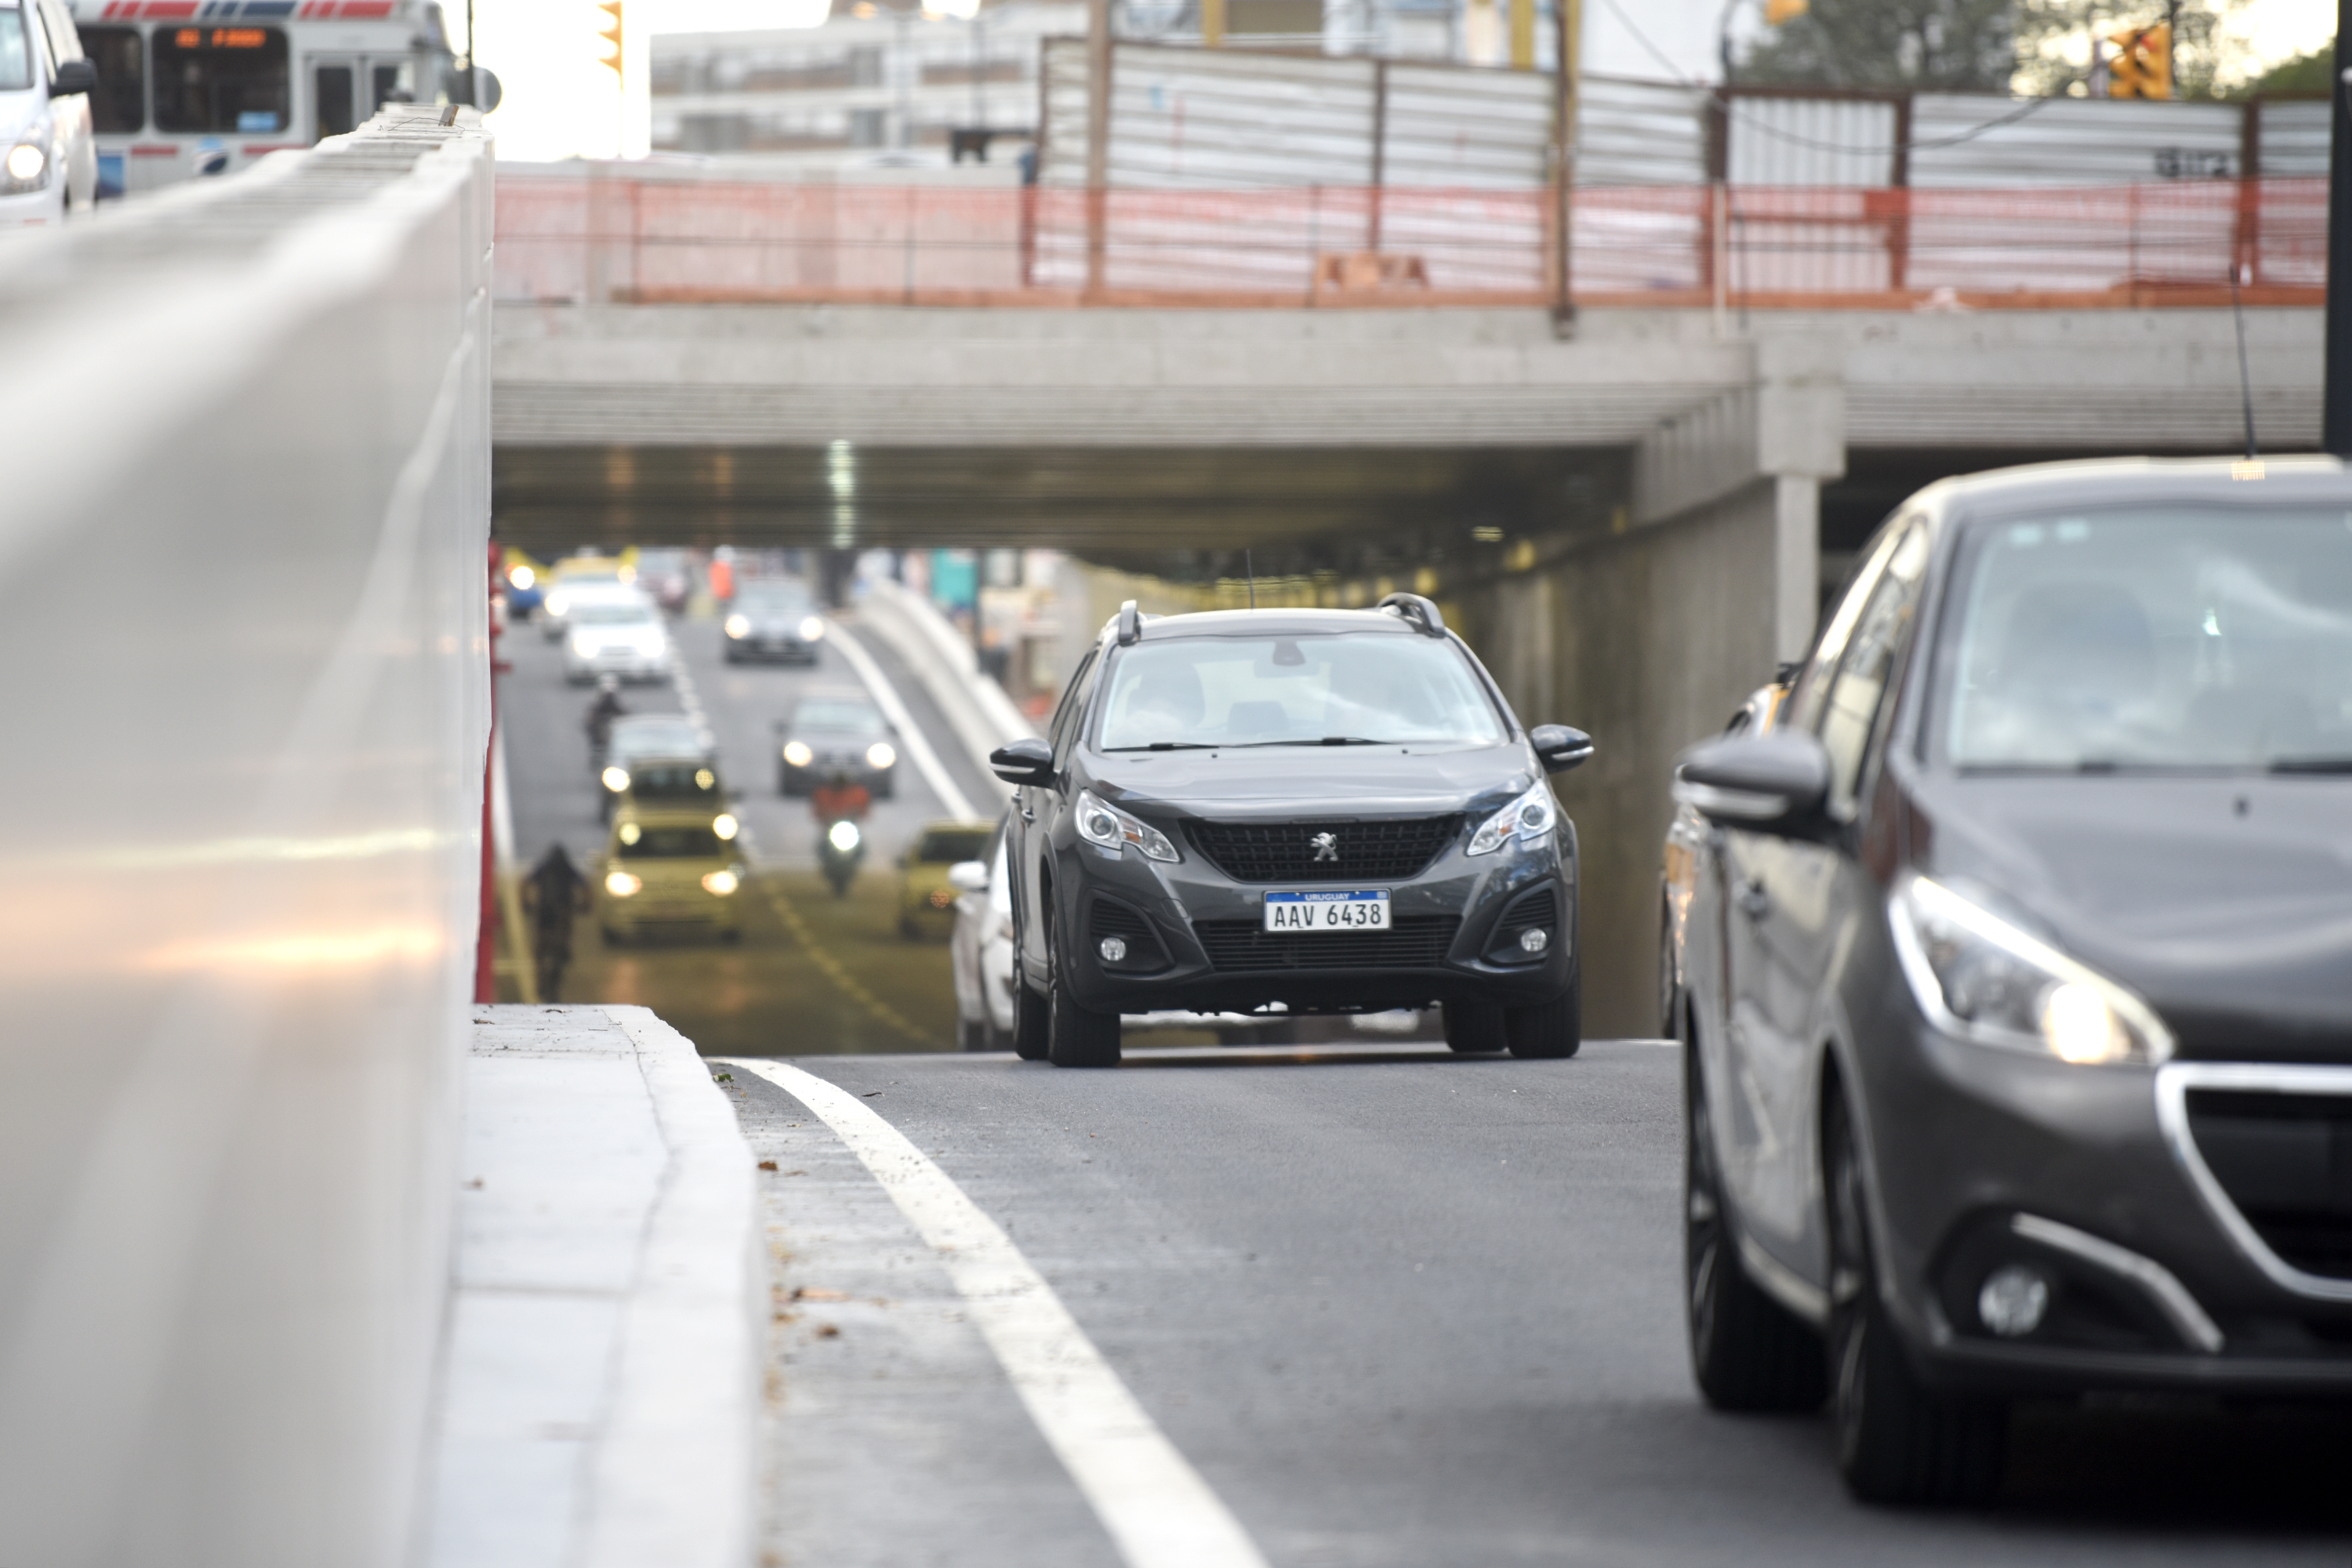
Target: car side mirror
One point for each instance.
(1027, 760)
(73, 77)
(1774, 782)
(1558, 747)
(968, 877)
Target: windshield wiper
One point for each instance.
(1326, 740)
(1170, 746)
(2311, 765)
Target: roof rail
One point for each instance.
(1418, 610)
(1130, 624)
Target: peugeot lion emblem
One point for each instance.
(1326, 847)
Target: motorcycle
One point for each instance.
(839, 853)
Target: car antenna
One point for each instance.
(2245, 380)
(1249, 569)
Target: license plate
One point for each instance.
(1326, 912)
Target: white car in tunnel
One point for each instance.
(48, 159)
(980, 950)
(618, 635)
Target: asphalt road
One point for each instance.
(1400, 1310)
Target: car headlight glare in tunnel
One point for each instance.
(584, 646)
(812, 629)
(722, 883)
(522, 577)
(880, 754)
(26, 164)
(843, 835)
(621, 885)
(617, 779)
(797, 753)
(557, 605)
(738, 626)
(724, 825)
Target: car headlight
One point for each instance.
(1977, 976)
(617, 779)
(558, 605)
(812, 629)
(28, 167)
(724, 825)
(1112, 827)
(1527, 819)
(584, 646)
(722, 883)
(738, 626)
(880, 754)
(843, 835)
(621, 885)
(797, 753)
(522, 577)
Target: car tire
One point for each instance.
(1548, 1031)
(1077, 1037)
(1748, 1352)
(1897, 1440)
(1032, 1024)
(1474, 1029)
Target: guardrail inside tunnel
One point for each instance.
(241, 557)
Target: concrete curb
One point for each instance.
(676, 1477)
(983, 717)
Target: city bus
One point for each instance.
(205, 87)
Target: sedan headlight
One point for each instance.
(1977, 976)
(725, 826)
(721, 882)
(1527, 819)
(797, 753)
(738, 626)
(28, 167)
(617, 779)
(621, 885)
(522, 577)
(1112, 827)
(812, 629)
(584, 646)
(880, 754)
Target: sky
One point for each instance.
(562, 102)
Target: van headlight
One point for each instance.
(1112, 827)
(1977, 976)
(621, 885)
(1527, 819)
(28, 167)
(722, 883)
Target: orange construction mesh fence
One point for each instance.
(615, 234)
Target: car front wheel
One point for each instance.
(1077, 1037)
(1549, 1029)
(1474, 1029)
(1897, 1441)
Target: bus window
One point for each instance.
(221, 79)
(332, 88)
(119, 104)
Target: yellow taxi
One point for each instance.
(670, 867)
(926, 899)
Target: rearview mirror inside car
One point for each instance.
(1560, 747)
(969, 877)
(1775, 782)
(1028, 761)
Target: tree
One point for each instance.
(2305, 74)
(1952, 45)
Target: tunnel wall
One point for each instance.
(242, 594)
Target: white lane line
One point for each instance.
(1157, 1510)
(917, 747)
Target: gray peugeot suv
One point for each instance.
(1327, 811)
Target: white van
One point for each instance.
(49, 157)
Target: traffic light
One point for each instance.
(1777, 11)
(611, 35)
(2142, 64)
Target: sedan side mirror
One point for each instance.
(1028, 761)
(1774, 782)
(1560, 747)
(73, 77)
(969, 877)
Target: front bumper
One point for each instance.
(1983, 1159)
(789, 649)
(629, 664)
(652, 911)
(1194, 939)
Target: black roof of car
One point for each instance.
(2103, 481)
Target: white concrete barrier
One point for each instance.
(982, 715)
(242, 525)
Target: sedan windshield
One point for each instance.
(1326, 689)
(2156, 638)
(856, 718)
(612, 615)
(773, 598)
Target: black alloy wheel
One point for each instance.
(1748, 1352)
(1549, 1030)
(1075, 1037)
(1474, 1029)
(1897, 1441)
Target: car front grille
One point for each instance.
(2285, 1160)
(1413, 942)
(1358, 851)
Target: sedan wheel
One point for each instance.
(1474, 1029)
(1898, 1442)
(1077, 1037)
(1032, 1023)
(1552, 1030)
(1748, 1352)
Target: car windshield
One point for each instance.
(664, 739)
(673, 780)
(15, 51)
(2153, 637)
(649, 843)
(773, 598)
(827, 714)
(946, 846)
(611, 613)
(1318, 688)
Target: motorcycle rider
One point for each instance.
(607, 707)
(839, 799)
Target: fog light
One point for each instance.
(1113, 948)
(1534, 940)
(2013, 1301)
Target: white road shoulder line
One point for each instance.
(1157, 1510)
(918, 744)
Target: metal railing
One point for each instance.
(619, 236)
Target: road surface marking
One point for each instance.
(1157, 1510)
(918, 744)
